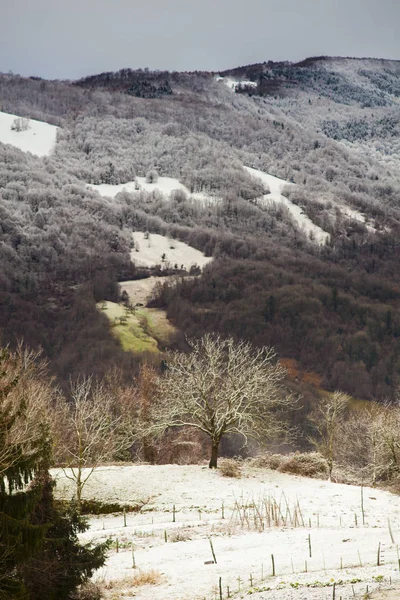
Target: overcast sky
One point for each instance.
(67, 39)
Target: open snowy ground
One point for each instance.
(316, 534)
(39, 138)
(304, 223)
(235, 83)
(152, 249)
(165, 185)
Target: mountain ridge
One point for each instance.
(335, 309)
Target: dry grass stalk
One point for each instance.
(266, 511)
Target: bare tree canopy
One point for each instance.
(222, 387)
(25, 393)
(327, 420)
(89, 430)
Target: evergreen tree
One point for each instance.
(40, 554)
(62, 563)
(23, 447)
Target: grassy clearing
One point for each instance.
(139, 331)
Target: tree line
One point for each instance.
(219, 388)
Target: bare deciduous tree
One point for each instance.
(151, 176)
(89, 431)
(20, 124)
(327, 419)
(222, 387)
(25, 394)
(385, 435)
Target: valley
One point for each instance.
(202, 264)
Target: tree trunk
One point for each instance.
(330, 469)
(79, 486)
(214, 455)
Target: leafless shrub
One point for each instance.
(307, 464)
(230, 468)
(151, 577)
(267, 460)
(180, 535)
(119, 587)
(88, 591)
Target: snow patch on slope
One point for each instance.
(39, 138)
(276, 185)
(165, 185)
(152, 249)
(233, 84)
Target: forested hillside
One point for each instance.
(328, 126)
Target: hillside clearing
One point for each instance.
(164, 185)
(276, 185)
(330, 522)
(39, 138)
(141, 290)
(233, 84)
(152, 249)
(139, 330)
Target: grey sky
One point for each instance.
(72, 38)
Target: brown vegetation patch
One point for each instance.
(307, 464)
(151, 577)
(229, 467)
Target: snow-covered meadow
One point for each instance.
(164, 185)
(233, 84)
(152, 249)
(304, 223)
(39, 138)
(167, 185)
(317, 534)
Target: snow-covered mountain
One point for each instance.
(286, 174)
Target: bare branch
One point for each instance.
(221, 387)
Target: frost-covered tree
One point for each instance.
(327, 419)
(151, 176)
(221, 387)
(88, 431)
(20, 124)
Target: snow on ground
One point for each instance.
(39, 138)
(140, 290)
(330, 528)
(165, 185)
(355, 215)
(152, 249)
(304, 223)
(235, 83)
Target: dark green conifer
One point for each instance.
(22, 450)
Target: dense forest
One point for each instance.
(329, 126)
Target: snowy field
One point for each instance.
(315, 533)
(152, 249)
(232, 84)
(39, 138)
(164, 185)
(276, 185)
